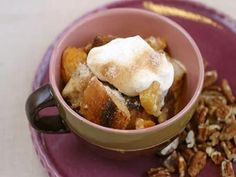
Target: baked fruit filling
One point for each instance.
(123, 83)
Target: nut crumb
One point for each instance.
(190, 139)
(171, 147)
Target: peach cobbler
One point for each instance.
(122, 83)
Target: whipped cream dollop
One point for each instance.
(131, 65)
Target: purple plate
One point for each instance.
(64, 155)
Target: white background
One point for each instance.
(27, 27)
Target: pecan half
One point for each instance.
(159, 172)
(229, 154)
(182, 166)
(216, 156)
(223, 112)
(210, 78)
(214, 139)
(171, 163)
(197, 163)
(229, 131)
(202, 133)
(227, 169)
(187, 154)
(227, 90)
(201, 114)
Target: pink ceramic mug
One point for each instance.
(119, 22)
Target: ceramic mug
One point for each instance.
(123, 23)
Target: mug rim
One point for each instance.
(171, 120)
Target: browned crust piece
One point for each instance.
(100, 40)
(103, 107)
(179, 74)
(73, 91)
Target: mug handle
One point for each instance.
(38, 100)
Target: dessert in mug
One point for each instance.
(123, 83)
